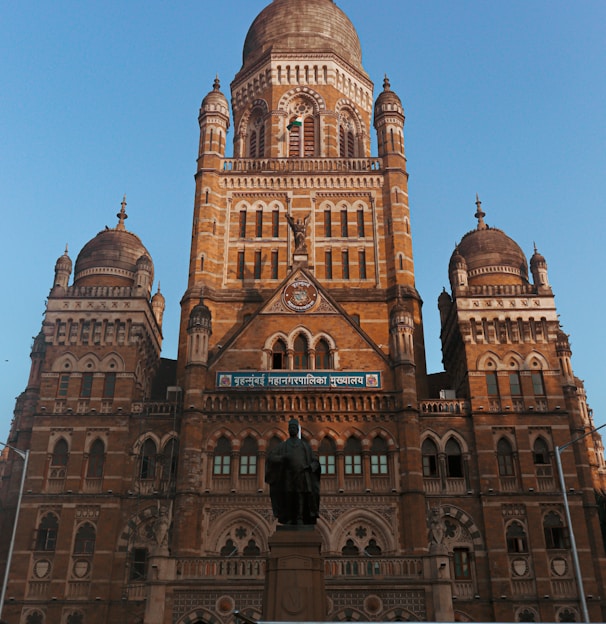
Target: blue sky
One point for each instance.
(506, 99)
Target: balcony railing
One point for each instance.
(445, 406)
(308, 165)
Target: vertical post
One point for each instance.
(25, 456)
(573, 544)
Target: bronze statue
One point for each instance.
(299, 229)
(293, 474)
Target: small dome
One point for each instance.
(158, 298)
(215, 101)
(200, 316)
(309, 26)
(388, 101)
(112, 257)
(64, 263)
(537, 260)
(491, 256)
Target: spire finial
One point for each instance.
(66, 250)
(480, 214)
(122, 216)
(386, 84)
(535, 247)
(217, 83)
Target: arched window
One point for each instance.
(505, 458)
(322, 355)
(278, 356)
(229, 549)
(492, 384)
(541, 458)
(350, 549)
(526, 615)
(556, 534)
(301, 357)
(309, 137)
(96, 460)
(326, 455)
(538, 386)
(75, 618)
(251, 549)
(84, 543)
(148, 460)
(35, 617)
(429, 452)
(248, 456)
(222, 458)
(378, 457)
(353, 456)
(60, 453)
(454, 459)
(170, 460)
(517, 541)
(46, 537)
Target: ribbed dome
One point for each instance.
(491, 256)
(388, 100)
(111, 258)
(303, 25)
(215, 101)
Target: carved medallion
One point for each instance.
(300, 296)
(42, 568)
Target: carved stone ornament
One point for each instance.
(42, 568)
(300, 296)
(559, 566)
(519, 567)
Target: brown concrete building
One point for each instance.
(145, 501)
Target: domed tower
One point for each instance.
(301, 249)
(63, 271)
(500, 326)
(103, 333)
(214, 122)
(302, 189)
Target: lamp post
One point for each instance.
(25, 457)
(573, 544)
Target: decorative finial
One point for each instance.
(122, 216)
(217, 83)
(386, 84)
(66, 250)
(535, 246)
(480, 214)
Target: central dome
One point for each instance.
(303, 25)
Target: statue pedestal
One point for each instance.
(294, 580)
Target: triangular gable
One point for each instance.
(317, 301)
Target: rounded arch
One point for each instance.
(466, 521)
(248, 432)
(65, 364)
(199, 616)
(323, 336)
(373, 527)
(300, 330)
(489, 361)
(512, 360)
(167, 437)
(112, 363)
(535, 361)
(271, 341)
(385, 435)
(258, 106)
(304, 93)
(451, 434)
(142, 439)
(239, 527)
(133, 531)
(400, 615)
(89, 363)
(349, 614)
(223, 432)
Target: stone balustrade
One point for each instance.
(309, 165)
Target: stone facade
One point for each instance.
(145, 499)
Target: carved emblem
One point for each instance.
(300, 296)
